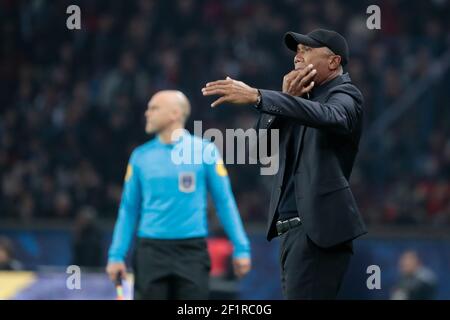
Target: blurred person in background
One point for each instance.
(87, 248)
(7, 261)
(167, 202)
(222, 274)
(416, 282)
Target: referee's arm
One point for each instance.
(128, 214)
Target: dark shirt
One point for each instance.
(287, 207)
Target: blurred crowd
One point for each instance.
(72, 101)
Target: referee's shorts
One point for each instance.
(171, 269)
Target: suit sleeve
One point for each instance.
(129, 211)
(220, 188)
(340, 114)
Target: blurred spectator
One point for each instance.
(7, 261)
(87, 248)
(220, 250)
(416, 281)
(224, 285)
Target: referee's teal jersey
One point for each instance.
(165, 195)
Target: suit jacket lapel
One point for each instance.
(298, 147)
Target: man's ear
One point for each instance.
(177, 114)
(335, 62)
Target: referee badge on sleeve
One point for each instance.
(129, 173)
(220, 168)
(186, 182)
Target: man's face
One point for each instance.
(409, 263)
(323, 60)
(158, 115)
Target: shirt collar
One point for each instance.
(184, 134)
(317, 91)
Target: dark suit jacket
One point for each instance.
(329, 128)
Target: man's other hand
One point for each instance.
(299, 81)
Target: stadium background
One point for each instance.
(72, 104)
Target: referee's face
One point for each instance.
(158, 115)
(154, 118)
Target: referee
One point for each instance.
(167, 202)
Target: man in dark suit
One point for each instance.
(319, 117)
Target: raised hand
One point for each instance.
(231, 91)
(299, 82)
